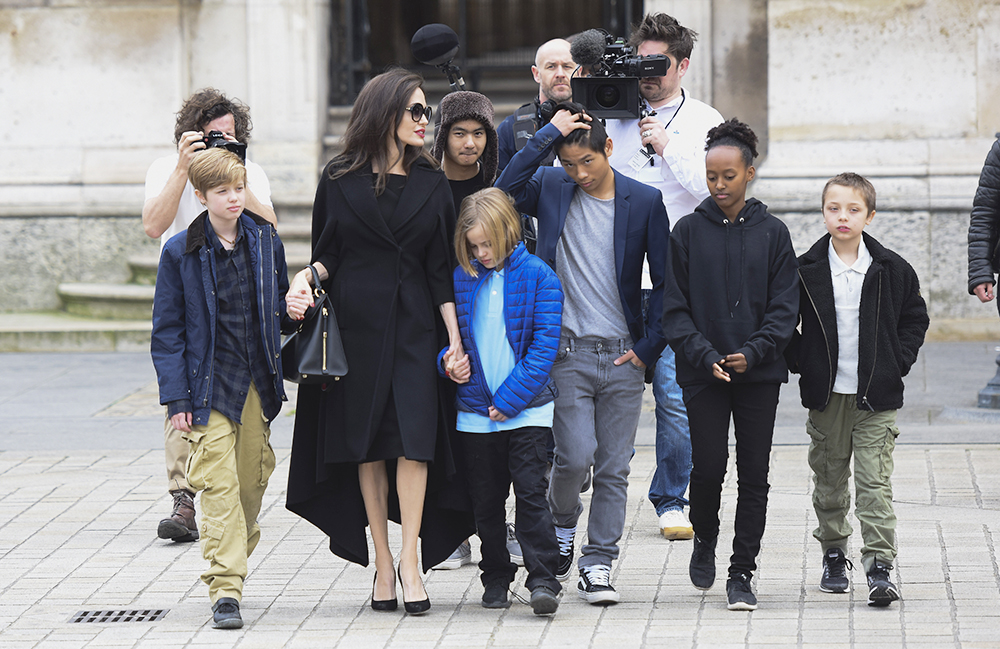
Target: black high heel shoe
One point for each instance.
(413, 608)
(382, 604)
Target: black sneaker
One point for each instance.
(543, 601)
(835, 567)
(702, 568)
(226, 614)
(881, 591)
(495, 594)
(741, 597)
(564, 537)
(595, 585)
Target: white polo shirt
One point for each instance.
(847, 284)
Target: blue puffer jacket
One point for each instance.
(533, 301)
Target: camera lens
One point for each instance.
(607, 96)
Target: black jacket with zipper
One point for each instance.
(732, 289)
(984, 223)
(892, 322)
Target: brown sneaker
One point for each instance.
(180, 527)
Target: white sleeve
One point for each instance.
(684, 154)
(158, 175)
(258, 183)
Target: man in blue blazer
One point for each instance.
(595, 228)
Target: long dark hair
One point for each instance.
(380, 105)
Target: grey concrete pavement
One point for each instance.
(82, 488)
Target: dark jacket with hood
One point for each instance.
(733, 290)
(984, 224)
(892, 322)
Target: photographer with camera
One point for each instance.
(207, 119)
(552, 70)
(677, 135)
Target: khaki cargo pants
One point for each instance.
(230, 465)
(836, 433)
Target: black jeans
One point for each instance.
(492, 462)
(752, 407)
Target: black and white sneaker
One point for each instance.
(739, 593)
(835, 567)
(564, 537)
(595, 587)
(881, 591)
(702, 566)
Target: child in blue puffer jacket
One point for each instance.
(509, 305)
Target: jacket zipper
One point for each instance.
(265, 314)
(826, 339)
(211, 363)
(878, 315)
(472, 314)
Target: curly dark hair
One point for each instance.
(661, 27)
(734, 133)
(377, 113)
(209, 104)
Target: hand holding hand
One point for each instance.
(737, 362)
(568, 122)
(460, 370)
(720, 373)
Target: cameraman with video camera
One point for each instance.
(676, 134)
(207, 119)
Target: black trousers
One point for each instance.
(752, 407)
(492, 462)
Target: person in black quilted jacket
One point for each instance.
(983, 228)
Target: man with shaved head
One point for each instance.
(552, 70)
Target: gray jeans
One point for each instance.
(596, 415)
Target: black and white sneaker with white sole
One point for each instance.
(881, 591)
(595, 585)
(564, 538)
(835, 567)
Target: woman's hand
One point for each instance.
(457, 367)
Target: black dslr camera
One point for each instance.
(612, 90)
(218, 139)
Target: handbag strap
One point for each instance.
(317, 285)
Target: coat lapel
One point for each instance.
(419, 186)
(357, 189)
(621, 223)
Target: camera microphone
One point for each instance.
(587, 49)
(436, 44)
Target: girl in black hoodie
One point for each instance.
(729, 312)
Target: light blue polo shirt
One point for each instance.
(489, 333)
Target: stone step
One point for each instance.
(63, 332)
(110, 301)
(143, 267)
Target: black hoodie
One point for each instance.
(733, 289)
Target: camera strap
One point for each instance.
(644, 156)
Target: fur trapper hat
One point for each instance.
(462, 105)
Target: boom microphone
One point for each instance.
(587, 49)
(434, 44)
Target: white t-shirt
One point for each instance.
(189, 206)
(679, 173)
(847, 284)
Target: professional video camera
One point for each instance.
(612, 89)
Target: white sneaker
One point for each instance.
(462, 556)
(674, 526)
(513, 547)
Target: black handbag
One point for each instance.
(314, 353)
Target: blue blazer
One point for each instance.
(533, 300)
(642, 230)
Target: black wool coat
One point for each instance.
(984, 224)
(892, 323)
(386, 286)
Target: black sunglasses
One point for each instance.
(419, 110)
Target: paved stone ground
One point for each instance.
(81, 491)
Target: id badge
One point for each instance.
(641, 159)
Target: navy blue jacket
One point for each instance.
(641, 230)
(733, 290)
(533, 301)
(185, 311)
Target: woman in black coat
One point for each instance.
(380, 232)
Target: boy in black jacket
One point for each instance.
(860, 305)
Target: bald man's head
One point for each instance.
(552, 70)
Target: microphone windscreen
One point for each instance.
(434, 44)
(588, 48)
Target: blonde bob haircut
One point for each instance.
(495, 211)
(214, 168)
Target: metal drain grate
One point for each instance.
(126, 615)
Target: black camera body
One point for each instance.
(612, 90)
(218, 139)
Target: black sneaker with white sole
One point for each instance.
(739, 593)
(702, 566)
(835, 567)
(881, 591)
(564, 537)
(595, 585)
